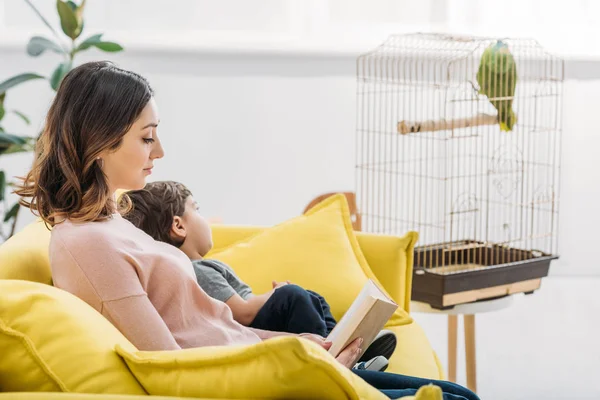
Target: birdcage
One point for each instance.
(458, 138)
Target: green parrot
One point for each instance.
(497, 78)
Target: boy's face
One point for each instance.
(198, 233)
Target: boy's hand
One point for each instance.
(320, 340)
(277, 285)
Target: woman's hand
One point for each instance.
(349, 355)
(320, 340)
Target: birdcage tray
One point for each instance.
(462, 272)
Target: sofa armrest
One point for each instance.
(390, 257)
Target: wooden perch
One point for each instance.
(406, 127)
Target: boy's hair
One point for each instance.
(153, 208)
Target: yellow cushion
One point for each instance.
(391, 260)
(389, 257)
(413, 355)
(428, 392)
(425, 393)
(88, 396)
(51, 340)
(318, 251)
(279, 368)
(25, 255)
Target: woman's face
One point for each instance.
(128, 166)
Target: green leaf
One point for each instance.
(10, 143)
(89, 42)
(2, 110)
(2, 185)
(109, 46)
(68, 21)
(16, 80)
(12, 212)
(78, 11)
(21, 115)
(28, 146)
(59, 73)
(7, 139)
(96, 41)
(37, 45)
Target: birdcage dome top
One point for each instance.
(444, 58)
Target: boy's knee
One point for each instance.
(291, 290)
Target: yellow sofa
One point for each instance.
(25, 258)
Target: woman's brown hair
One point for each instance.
(95, 105)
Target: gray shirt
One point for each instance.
(219, 280)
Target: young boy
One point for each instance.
(167, 211)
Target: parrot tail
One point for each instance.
(507, 120)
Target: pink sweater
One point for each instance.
(147, 289)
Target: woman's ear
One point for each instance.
(178, 231)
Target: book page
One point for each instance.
(343, 324)
(375, 291)
(365, 318)
(342, 333)
(372, 324)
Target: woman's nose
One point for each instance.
(157, 151)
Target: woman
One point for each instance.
(101, 134)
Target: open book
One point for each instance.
(365, 318)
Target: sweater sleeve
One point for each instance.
(138, 320)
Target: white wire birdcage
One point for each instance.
(431, 157)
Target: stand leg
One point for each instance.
(470, 352)
(452, 339)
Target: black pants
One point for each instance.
(295, 310)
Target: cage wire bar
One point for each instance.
(431, 157)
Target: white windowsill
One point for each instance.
(577, 66)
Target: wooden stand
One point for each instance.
(470, 353)
(452, 344)
(468, 312)
(469, 321)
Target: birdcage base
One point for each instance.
(462, 272)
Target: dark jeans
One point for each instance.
(395, 386)
(295, 310)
